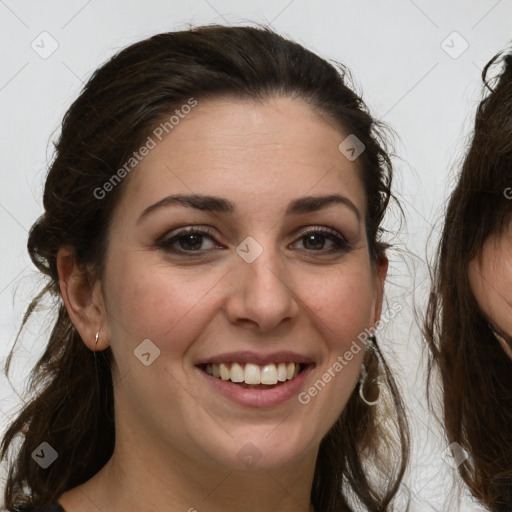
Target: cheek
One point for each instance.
(342, 302)
(491, 284)
(174, 306)
(152, 301)
(342, 308)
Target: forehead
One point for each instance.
(266, 152)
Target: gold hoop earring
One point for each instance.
(362, 379)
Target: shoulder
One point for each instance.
(51, 506)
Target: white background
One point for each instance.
(396, 53)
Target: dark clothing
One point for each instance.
(52, 506)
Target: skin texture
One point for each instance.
(177, 439)
(490, 278)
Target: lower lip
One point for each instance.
(259, 397)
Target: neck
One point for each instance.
(142, 476)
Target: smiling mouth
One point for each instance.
(253, 376)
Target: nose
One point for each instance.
(262, 294)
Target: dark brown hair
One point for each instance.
(476, 374)
(72, 407)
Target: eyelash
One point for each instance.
(339, 242)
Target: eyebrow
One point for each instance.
(306, 204)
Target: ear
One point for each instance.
(83, 299)
(381, 270)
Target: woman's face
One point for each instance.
(490, 277)
(255, 289)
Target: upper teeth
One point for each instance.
(254, 374)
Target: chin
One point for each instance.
(263, 448)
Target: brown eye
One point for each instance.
(188, 240)
(314, 241)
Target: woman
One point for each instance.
(469, 321)
(212, 234)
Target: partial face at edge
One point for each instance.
(196, 298)
(490, 277)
